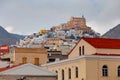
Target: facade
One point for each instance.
(65, 48)
(93, 46)
(53, 44)
(34, 40)
(27, 72)
(35, 56)
(76, 22)
(56, 56)
(90, 59)
(43, 32)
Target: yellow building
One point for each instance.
(35, 56)
(42, 31)
(90, 59)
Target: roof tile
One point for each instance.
(104, 43)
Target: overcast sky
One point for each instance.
(29, 16)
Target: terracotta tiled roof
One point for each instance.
(104, 43)
(103, 54)
(101, 43)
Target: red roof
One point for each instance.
(104, 43)
(4, 49)
(103, 54)
(6, 68)
(101, 43)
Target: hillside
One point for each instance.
(113, 33)
(8, 38)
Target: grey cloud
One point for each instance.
(41, 14)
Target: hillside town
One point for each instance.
(69, 51)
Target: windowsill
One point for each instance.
(105, 76)
(118, 77)
(108, 76)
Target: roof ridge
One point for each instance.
(29, 66)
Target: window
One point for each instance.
(49, 54)
(79, 50)
(55, 49)
(56, 71)
(76, 72)
(83, 50)
(118, 71)
(24, 60)
(69, 73)
(62, 74)
(51, 59)
(104, 70)
(36, 61)
(57, 59)
(57, 75)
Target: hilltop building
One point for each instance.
(75, 28)
(74, 23)
(90, 59)
(55, 50)
(32, 41)
(43, 32)
(53, 44)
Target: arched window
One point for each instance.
(105, 70)
(62, 74)
(118, 71)
(69, 73)
(76, 72)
